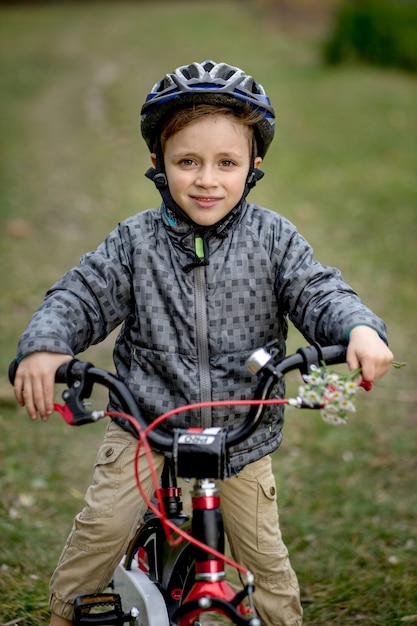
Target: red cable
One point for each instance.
(160, 513)
(214, 403)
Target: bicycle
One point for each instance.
(163, 581)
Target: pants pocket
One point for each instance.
(268, 533)
(101, 495)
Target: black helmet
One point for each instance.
(207, 83)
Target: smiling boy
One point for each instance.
(197, 285)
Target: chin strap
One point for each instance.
(254, 175)
(160, 181)
(158, 176)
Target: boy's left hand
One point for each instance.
(367, 350)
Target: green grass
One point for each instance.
(342, 168)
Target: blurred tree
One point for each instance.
(381, 32)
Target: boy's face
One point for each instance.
(206, 165)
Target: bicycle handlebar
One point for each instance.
(265, 363)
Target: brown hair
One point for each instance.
(181, 118)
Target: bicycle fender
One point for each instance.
(137, 590)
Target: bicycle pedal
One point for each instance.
(99, 609)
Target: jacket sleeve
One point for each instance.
(322, 306)
(85, 305)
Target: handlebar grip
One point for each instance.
(332, 355)
(12, 370)
(60, 376)
(62, 371)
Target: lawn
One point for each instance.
(342, 168)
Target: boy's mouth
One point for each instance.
(205, 201)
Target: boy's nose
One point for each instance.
(206, 177)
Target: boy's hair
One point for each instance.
(182, 118)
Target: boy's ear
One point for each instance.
(258, 161)
(153, 159)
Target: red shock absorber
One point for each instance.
(207, 527)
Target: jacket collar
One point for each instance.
(194, 240)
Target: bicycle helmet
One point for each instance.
(207, 83)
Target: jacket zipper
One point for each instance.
(200, 295)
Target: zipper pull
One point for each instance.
(199, 247)
(201, 254)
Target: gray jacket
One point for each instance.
(189, 321)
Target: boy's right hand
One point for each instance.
(34, 382)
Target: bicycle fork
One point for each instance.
(211, 592)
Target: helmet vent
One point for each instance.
(190, 72)
(208, 66)
(229, 74)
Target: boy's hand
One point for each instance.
(34, 382)
(367, 350)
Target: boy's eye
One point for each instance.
(227, 163)
(186, 162)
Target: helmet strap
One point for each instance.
(254, 173)
(158, 176)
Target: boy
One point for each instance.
(198, 284)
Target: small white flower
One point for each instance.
(332, 378)
(347, 405)
(311, 397)
(338, 420)
(332, 408)
(350, 387)
(312, 379)
(331, 418)
(336, 395)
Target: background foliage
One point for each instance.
(381, 32)
(342, 168)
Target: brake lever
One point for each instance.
(79, 388)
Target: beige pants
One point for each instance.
(113, 508)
